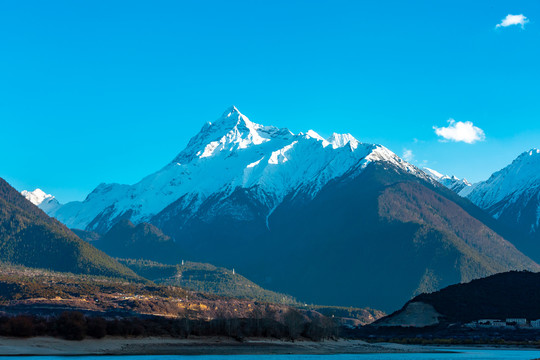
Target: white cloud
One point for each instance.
(460, 132)
(510, 20)
(407, 155)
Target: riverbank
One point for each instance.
(192, 346)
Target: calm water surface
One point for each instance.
(463, 354)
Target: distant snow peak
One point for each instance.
(525, 167)
(512, 193)
(44, 201)
(433, 173)
(36, 197)
(521, 177)
(451, 182)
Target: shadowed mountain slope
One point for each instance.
(512, 195)
(375, 239)
(144, 240)
(205, 278)
(330, 221)
(31, 238)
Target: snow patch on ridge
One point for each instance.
(280, 156)
(433, 173)
(253, 164)
(451, 182)
(340, 140)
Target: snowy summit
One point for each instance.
(227, 154)
(44, 201)
(519, 182)
(451, 182)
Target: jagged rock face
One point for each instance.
(512, 195)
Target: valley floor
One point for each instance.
(192, 346)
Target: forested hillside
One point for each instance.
(206, 278)
(31, 238)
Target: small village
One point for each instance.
(510, 323)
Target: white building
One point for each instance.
(516, 321)
(535, 324)
(491, 323)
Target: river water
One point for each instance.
(461, 354)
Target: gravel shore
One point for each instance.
(191, 346)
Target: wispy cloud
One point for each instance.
(510, 20)
(407, 155)
(460, 132)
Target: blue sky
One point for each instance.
(110, 91)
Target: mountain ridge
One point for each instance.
(325, 220)
(30, 238)
(44, 201)
(452, 182)
(512, 196)
(274, 162)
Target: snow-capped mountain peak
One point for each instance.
(232, 131)
(44, 201)
(520, 177)
(36, 197)
(451, 182)
(231, 111)
(232, 118)
(228, 154)
(340, 140)
(512, 194)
